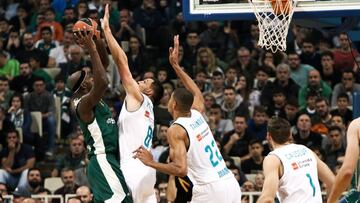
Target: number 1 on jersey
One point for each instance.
(311, 183)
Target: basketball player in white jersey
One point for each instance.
(193, 150)
(136, 122)
(346, 171)
(291, 170)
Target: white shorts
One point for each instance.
(140, 180)
(224, 191)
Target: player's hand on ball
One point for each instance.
(105, 20)
(143, 155)
(84, 38)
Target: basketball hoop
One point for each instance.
(274, 17)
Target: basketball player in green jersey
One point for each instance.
(99, 128)
(347, 169)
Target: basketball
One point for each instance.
(281, 6)
(87, 24)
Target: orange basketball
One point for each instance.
(281, 7)
(87, 24)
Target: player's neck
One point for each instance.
(276, 146)
(181, 114)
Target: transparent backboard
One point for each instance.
(240, 9)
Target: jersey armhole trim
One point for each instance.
(187, 134)
(282, 166)
(77, 114)
(141, 103)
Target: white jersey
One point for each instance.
(136, 129)
(299, 182)
(205, 163)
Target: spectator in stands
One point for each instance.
(127, 26)
(282, 81)
(254, 163)
(60, 54)
(5, 126)
(34, 181)
(309, 109)
(201, 81)
(335, 149)
(75, 62)
(315, 84)
(215, 38)
(239, 175)
(69, 17)
(42, 100)
(5, 93)
(191, 47)
(57, 29)
(75, 158)
(209, 100)
(23, 83)
(46, 42)
(236, 142)
(258, 124)
(13, 42)
(8, 67)
(63, 94)
(328, 72)
(136, 57)
(68, 179)
(161, 144)
(21, 21)
(279, 103)
(232, 104)
(150, 19)
(342, 108)
(20, 195)
(219, 126)
(231, 77)
(261, 80)
(82, 9)
(322, 120)
(347, 86)
(217, 86)
(242, 88)
(17, 158)
(344, 55)
(208, 62)
(304, 135)
(28, 50)
(84, 193)
(337, 120)
(44, 191)
(291, 111)
(19, 116)
(244, 63)
(74, 200)
(298, 71)
(259, 181)
(309, 55)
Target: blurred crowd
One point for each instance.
(311, 85)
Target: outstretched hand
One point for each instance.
(174, 52)
(84, 38)
(105, 20)
(143, 155)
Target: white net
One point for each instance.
(274, 17)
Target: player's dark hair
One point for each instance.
(279, 129)
(184, 99)
(158, 91)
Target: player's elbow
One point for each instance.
(181, 172)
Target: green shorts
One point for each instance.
(106, 180)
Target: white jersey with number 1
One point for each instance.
(136, 129)
(213, 181)
(299, 182)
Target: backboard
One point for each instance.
(241, 10)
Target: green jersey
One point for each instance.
(101, 135)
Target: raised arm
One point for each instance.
(189, 84)
(176, 137)
(89, 101)
(131, 87)
(271, 167)
(346, 171)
